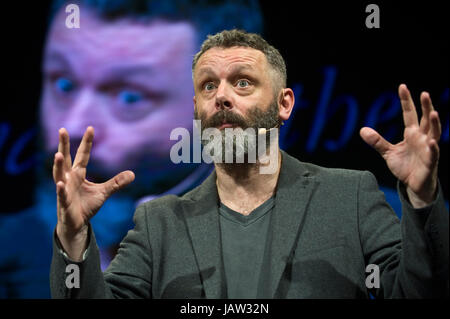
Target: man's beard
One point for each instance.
(246, 141)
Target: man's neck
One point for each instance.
(243, 188)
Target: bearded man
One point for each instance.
(302, 231)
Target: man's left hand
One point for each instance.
(414, 161)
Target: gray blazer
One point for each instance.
(326, 227)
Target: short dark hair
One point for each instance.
(207, 16)
(241, 38)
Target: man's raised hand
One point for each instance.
(414, 161)
(78, 200)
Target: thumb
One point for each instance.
(118, 182)
(371, 137)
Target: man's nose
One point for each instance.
(83, 113)
(223, 97)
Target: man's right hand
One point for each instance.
(78, 200)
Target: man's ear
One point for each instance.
(286, 103)
(195, 101)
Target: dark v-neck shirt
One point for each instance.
(243, 247)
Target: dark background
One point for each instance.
(317, 40)
(410, 47)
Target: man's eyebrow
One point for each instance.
(206, 70)
(116, 71)
(129, 70)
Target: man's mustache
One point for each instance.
(223, 116)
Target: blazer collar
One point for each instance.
(202, 219)
(200, 207)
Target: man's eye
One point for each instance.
(209, 86)
(130, 97)
(64, 84)
(243, 83)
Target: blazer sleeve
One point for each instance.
(412, 254)
(128, 276)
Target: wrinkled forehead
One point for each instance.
(227, 59)
(123, 37)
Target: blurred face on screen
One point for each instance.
(130, 80)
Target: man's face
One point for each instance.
(234, 88)
(130, 80)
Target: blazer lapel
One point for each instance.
(294, 190)
(202, 219)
